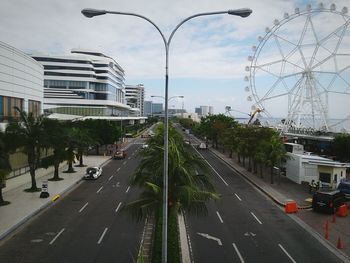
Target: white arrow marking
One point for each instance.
(210, 237)
(247, 234)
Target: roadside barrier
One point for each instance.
(291, 207)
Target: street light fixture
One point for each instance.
(156, 96)
(88, 12)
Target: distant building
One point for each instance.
(204, 111)
(135, 96)
(150, 108)
(84, 83)
(21, 83)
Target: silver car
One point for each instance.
(93, 173)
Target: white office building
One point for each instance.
(21, 83)
(83, 83)
(204, 111)
(135, 97)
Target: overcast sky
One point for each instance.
(208, 55)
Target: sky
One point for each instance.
(207, 57)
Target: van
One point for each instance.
(344, 187)
(327, 201)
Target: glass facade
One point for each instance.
(7, 107)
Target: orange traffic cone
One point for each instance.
(339, 244)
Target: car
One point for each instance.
(121, 154)
(92, 173)
(144, 146)
(344, 187)
(202, 146)
(327, 201)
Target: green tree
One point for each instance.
(55, 138)
(186, 190)
(28, 135)
(5, 167)
(276, 153)
(341, 147)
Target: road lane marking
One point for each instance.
(222, 221)
(120, 203)
(81, 209)
(238, 197)
(99, 190)
(285, 251)
(257, 219)
(129, 158)
(211, 167)
(238, 253)
(124, 163)
(54, 239)
(118, 169)
(127, 189)
(110, 178)
(210, 237)
(103, 234)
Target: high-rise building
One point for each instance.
(21, 83)
(204, 111)
(135, 96)
(85, 83)
(151, 108)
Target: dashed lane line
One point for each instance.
(257, 219)
(116, 210)
(101, 237)
(127, 189)
(110, 178)
(99, 190)
(81, 209)
(118, 169)
(238, 197)
(238, 253)
(124, 163)
(58, 234)
(285, 252)
(219, 216)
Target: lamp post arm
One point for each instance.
(144, 18)
(189, 18)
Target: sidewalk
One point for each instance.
(283, 190)
(25, 205)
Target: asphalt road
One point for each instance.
(86, 225)
(246, 226)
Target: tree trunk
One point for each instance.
(230, 153)
(70, 167)
(32, 176)
(243, 161)
(261, 170)
(55, 173)
(1, 198)
(81, 163)
(239, 158)
(249, 164)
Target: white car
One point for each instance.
(93, 173)
(144, 146)
(202, 146)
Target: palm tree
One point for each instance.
(82, 141)
(55, 138)
(5, 167)
(187, 190)
(28, 135)
(276, 153)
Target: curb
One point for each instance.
(43, 207)
(274, 199)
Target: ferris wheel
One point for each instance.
(300, 69)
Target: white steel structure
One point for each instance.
(84, 83)
(21, 83)
(300, 69)
(135, 96)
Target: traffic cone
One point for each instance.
(339, 244)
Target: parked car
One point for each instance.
(202, 146)
(144, 146)
(93, 173)
(327, 201)
(121, 154)
(344, 187)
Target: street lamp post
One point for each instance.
(173, 97)
(88, 12)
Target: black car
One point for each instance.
(327, 201)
